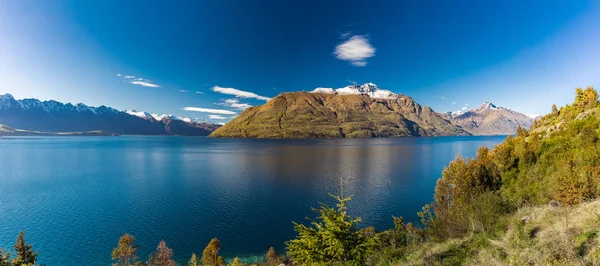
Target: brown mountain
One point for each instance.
(350, 112)
(489, 119)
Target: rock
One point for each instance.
(554, 204)
(525, 219)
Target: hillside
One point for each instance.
(52, 116)
(351, 112)
(489, 119)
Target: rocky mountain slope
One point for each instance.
(350, 112)
(489, 119)
(53, 116)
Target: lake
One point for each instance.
(75, 196)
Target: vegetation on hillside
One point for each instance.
(322, 115)
(531, 200)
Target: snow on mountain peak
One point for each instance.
(143, 115)
(370, 89)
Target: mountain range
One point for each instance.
(355, 111)
(350, 112)
(360, 111)
(52, 116)
(489, 119)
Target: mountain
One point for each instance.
(52, 116)
(489, 119)
(350, 112)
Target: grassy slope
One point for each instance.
(315, 115)
(536, 235)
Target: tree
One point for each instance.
(24, 251)
(162, 256)
(554, 109)
(586, 99)
(332, 239)
(210, 255)
(5, 258)
(194, 260)
(236, 262)
(272, 258)
(126, 251)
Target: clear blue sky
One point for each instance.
(445, 54)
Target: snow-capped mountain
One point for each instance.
(489, 119)
(142, 115)
(53, 116)
(370, 89)
(157, 117)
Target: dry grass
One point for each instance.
(548, 236)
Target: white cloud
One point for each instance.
(453, 102)
(145, 84)
(199, 92)
(443, 97)
(239, 93)
(183, 91)
(139, 81)
(216, 117)
(235, 103)
(464, 108)
(356, 50)
(207, 110)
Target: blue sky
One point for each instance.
(218, 57)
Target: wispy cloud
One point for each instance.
(453, 102)
(216, 117)
(239, 93)
(145, 84)
(211, 111)
(355, 50)
(183, 91)
(139, 81)
(235, 103)
(199, 92)
(443, 97)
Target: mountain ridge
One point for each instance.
(348, 112)
(489, 119)
(53, 116)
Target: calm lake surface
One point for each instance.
(75, 196)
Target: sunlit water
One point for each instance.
(75, 196)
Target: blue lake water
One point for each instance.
(75, 196)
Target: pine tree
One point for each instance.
(210, 255)
(126, 251)
(194, 260)
(162, 257)
(272, 257)
(5, 257)
(24, 251)
(332, 239)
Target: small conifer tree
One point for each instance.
(24, 252)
